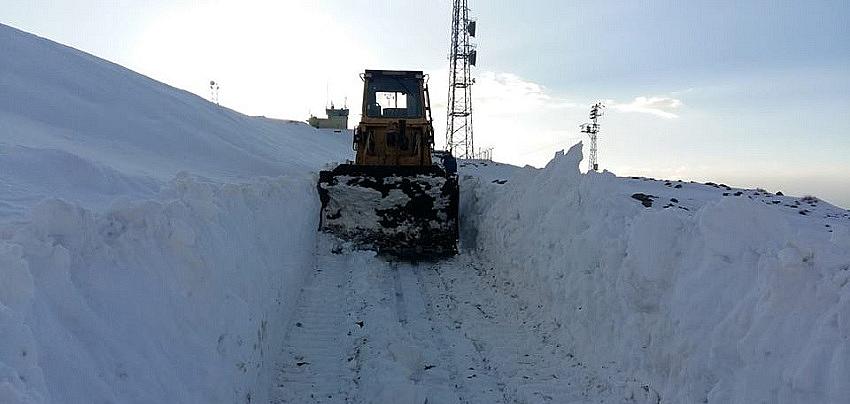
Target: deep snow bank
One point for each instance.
(705, 296)
(151, 243)
(176, 300)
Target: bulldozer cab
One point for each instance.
(395, 129)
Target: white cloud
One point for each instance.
(525, 121)
(506, 92)
(510, 89)
(663, 107)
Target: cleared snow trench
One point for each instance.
(570, 289)
(367, 330)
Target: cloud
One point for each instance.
(663, 107)
(522, 119)
(500, 92)
(525, 121)
(502, 87)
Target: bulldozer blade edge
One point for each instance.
(401, 211)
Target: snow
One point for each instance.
(711, 299)
(356, 207)
(155, 247)
(371, 331)
(152, 244)
(83, 129)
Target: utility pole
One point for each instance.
(462, 56)
(592, 130)
(214, 92)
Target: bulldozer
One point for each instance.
(399, 196)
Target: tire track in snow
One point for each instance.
(450, 359)
(369, 331)
(316, 368)
(457, 353)
(401, 309)
(520, 347)
(407, 361)
(516, 355)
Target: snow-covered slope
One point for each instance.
(151, 243)
(81, 128)
(709, 294)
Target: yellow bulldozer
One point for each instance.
(400, 196)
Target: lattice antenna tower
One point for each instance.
(592, 130)
(462, 56)
(214, 92)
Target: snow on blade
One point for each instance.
(408, 212)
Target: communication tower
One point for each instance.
(462, 56)
(592, 130)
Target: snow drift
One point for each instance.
(151, 243)
(710, 294)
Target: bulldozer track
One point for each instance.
(312, 352)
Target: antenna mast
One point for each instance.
(462, 56)
(592, 129)
(214, 92)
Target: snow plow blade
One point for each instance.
(401, 211)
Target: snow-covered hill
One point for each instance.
(151, 243)
(81, 128)
(155, 247)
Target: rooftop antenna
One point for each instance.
(592, 130)
(214, 92)
(462, 56)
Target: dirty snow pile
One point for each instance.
(705, 292)
(151, 243)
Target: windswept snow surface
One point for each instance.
(710, 294)
(152, 244)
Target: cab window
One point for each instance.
(393, 97)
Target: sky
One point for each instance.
(752, 93)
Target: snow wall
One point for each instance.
(151, 243)
(730, 302)
(182, 299)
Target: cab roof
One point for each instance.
(405, 73)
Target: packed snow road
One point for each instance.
(371, 331)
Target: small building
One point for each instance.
(337, 119)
